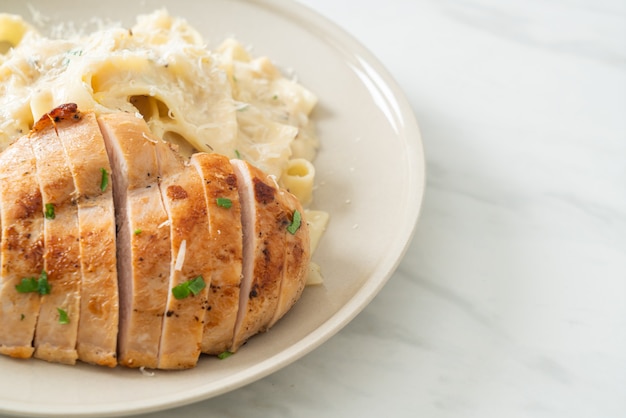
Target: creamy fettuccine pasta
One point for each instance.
(223, 101)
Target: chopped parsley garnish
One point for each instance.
(27, 285)
(224, 354)
(22, 316)
(42, 284)
(237, 154)
(32, 284)
(196, 285)
(75, 52)
(138, 231)
(49, 212)
(224, 202)
(104, 180)
(181, 291)
(63, 317)
(185, 289)
(295, 222)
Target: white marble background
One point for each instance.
(511, 301)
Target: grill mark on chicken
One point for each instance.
(262, 192)
(176, 192)
(231, 180)
(29, 204)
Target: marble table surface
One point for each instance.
(511, 299)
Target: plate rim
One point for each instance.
(413, 144)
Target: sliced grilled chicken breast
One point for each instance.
(21, 249)
(57, 326)
(88, 161)
(182, 191)
(172, 258)
(143, 238)
(264, 219)
(225, 252)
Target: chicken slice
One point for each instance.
(21, 248)
(222, 199)
(182, 191)
(88, 161)
(143, 238)
(264, 219)
(57, 326)
(297, 257)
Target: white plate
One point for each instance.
(370, 173)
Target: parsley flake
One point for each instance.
(196, 285)
(295, 222)
(49, 211)
(224, 202)
(185, 289)
(224, 354)
(27, 285)
(181, 291)
(104, 180)
(63, 317)
(34, 285)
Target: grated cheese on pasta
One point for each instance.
(221, 101)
